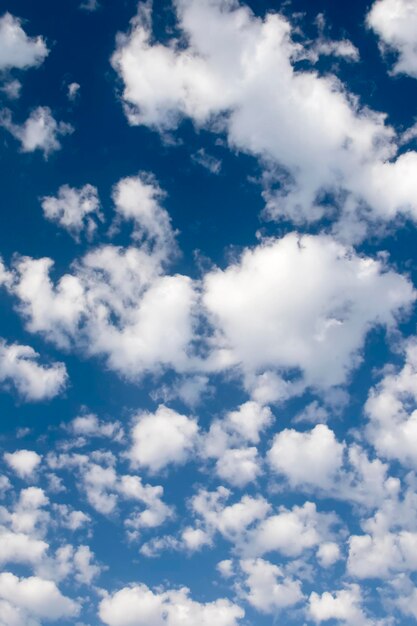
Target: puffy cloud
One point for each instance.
(117, 301)
(267, 588)
(343, 605)
(285, 304)
(20, 548)
(328, 554)
(382, 554)
(162, 438)
(391, 407)
(23, 462)
(17, 50)
(395, 23)
(312, 457)
(138, 199)
(104, 488)
(227, 439)
(33, 599)
(234, 72)
(231, 521)
(140, 606)
(33, 382)
(39, 132)
(239, 466)
(89, 425)
(290, 532)
(73, 209)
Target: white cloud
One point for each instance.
(287, 303)
(34, 598)
(328, 554)
(138, 199)
(12, 89)
(23, 462)
(33, 381)
(313, 457)
(90, 426)
(17, 50)
(382, 554)
(343, 605)
(395, 23)
(239, 466)
(73, 91)
(392, 410)
(139, 606)
(117, 302)
(267, 588)
(73, 209)
(290, 532)
(20, 548)
(162, 438)
(234, 72)
(39, 132)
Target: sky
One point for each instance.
(208, 350)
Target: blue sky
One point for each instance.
(208, 355)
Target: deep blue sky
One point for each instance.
(217, 217)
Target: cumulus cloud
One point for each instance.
(162, 438)
(344, 605)
(40, 131)
(231, 71)
(19, 368)
(285, 304)
(30, 600)
(267, 588)
(138, 199)
(73, 209)
(395, 23)
(17, 49)
(290, 531)
(392, 411)
(307, 457)
(138, 605)
(117, 302)
(23, 462)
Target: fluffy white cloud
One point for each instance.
(23, 462)
(312, 457)
(32, 599)
(116, 301)
(162, 438)
(343, 605)
(140, 606)
(73, 209)
(233, 71)
(17, 50)
(395, 23)
(382, 554)
(392, 410)
(290, 532)
(138, 199)
(40, 131)
(20, 548)
(33, 382)
(239, 466)
(85, 426)
(267, 588)
(287, 303)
